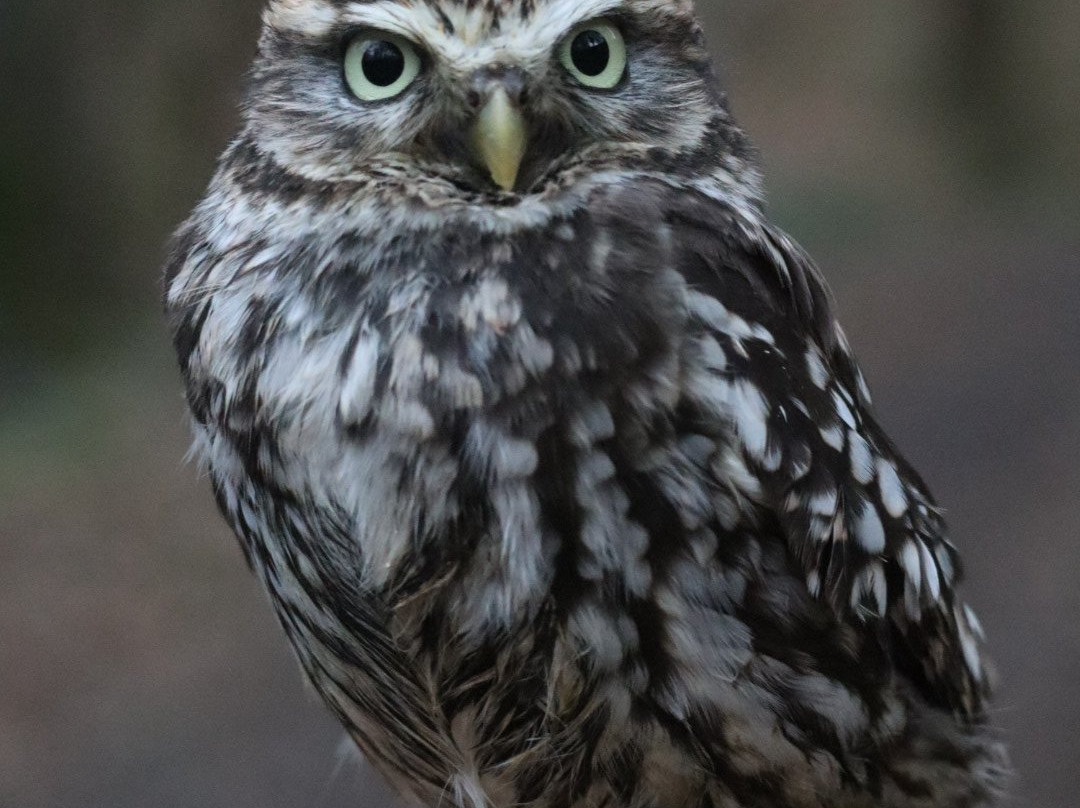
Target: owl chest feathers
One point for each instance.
(506, 486)
(474, 442)
(396, 377)
(503, 496)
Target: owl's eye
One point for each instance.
(380, 66)
(595, 54)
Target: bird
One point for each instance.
(546, 444)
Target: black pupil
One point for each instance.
(383, 63)
(590, 52)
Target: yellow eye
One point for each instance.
(595, 54)
(380, 66)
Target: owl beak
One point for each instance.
(499, 137)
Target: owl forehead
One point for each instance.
(465, 31)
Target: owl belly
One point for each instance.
(515, 576)
(518, 574)
(503, 606)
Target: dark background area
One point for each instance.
(927, 152)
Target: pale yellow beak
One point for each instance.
(500, 137)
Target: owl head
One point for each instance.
(490, 98)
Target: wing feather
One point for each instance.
(792, 402)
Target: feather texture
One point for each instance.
(572, 496)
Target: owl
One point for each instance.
(545, 443)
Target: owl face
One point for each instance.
(493, 98)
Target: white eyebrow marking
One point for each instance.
(472, 42)
(312, 18)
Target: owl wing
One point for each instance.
(774, 370)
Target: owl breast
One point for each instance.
(500, 483)
(428, 459)
(434, 390)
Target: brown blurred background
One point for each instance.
(926, 151)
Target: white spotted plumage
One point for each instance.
(568, 494)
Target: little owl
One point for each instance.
(546, 444)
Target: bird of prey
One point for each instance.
(545, 442)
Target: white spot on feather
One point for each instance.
(739, 402)
(912, 567)
(594, 469)
(862, 458)
(713, 313)
(815, 365)
(974, 622)
(872, 585)
(833, 435)
(945, 562)
(970, 648)
(869, 531)
(358, 386)
(506, 456)
(490, 304)
(751, 412)
(407, 417)
(844, 411)
(864, 388)
(909, 562)
(824, 502)
(712, 355)
(592, 424)
(892, 490)
(930, 570)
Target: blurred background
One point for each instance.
(927, 152)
